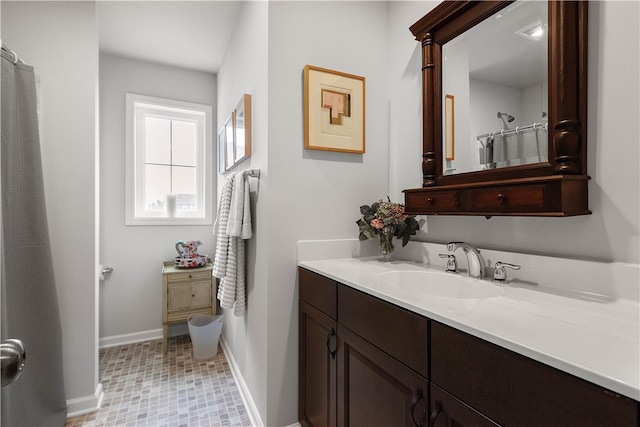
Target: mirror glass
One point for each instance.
(494, 91)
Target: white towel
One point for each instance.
(232, 226)
(239, 224)
(220, 229)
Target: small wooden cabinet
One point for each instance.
(185, 291)
(367, 362)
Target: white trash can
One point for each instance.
(204, 330)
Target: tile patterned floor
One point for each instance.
(144, 387)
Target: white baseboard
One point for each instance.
(245, 394)
(115, 340)
(86, 404)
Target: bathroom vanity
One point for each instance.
(376, 354)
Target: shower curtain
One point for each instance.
(29, 303)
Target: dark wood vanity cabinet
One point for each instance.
(366, 362)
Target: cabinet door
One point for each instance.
(317, 368)
(375, 389)
(517, 391)
(447, 411)
(179, 296)
(201, 294)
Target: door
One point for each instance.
(317, 370)
(376, 389)
(13, 355)
(201, 294)
(447, 411)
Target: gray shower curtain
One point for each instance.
(29, 300)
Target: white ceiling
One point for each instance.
(187, 34)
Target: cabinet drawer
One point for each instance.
(516, 198)
(512, 389)
(399, 332)
(433, 201)
(190, 275)
(319, 291)
(180, 316)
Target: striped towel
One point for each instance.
(232, 226)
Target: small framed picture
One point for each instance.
(450, 126)
(334, 110)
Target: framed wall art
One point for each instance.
(334, 110)
(234, 138)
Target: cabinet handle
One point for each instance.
(435, 413)
(332, 344)
(417, 396)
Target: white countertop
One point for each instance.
(597, 339)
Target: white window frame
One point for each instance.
(137, 108)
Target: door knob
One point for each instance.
(13, 356)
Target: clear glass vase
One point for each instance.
(386, 242)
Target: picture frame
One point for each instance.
(242, 128)
(334, 110)
(449, 127)
(234, 137)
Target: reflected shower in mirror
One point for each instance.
(497, 73)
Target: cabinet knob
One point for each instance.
(430, 201)
(502, 199)
(189, 276)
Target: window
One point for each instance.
(168, 162)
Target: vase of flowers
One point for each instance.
(386, 220)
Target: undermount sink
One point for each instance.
(438, 284)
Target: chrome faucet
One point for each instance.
(476, 263)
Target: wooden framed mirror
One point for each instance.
(547, 180)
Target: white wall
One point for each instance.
(316, 194)
(611, 232)
(131, 296)
(59, 39)
(244, 70)
(302, 194)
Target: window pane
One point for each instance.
(186, 202)
(184, 180)
(184, 184)
(184, 143)
(157, 140)
(157, 184)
